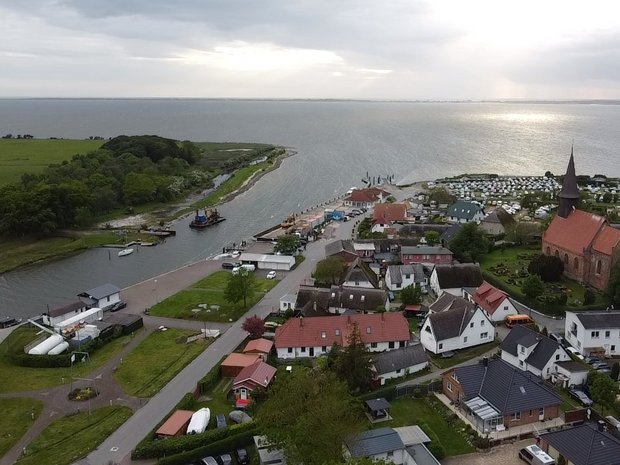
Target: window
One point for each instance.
(363, 298)
(464, 339)
(449, 386)
(607, 334)
(357, 283)
(557, 357)
(407, 276)
(323, 334)
(471, 325)
(484, 335)
(441, 345)
(391, 344)
(598, 267)
(515, 416)
(402, 344)
(428, 329)
(454, 376)
(541, 411)
(579, 344)
(290, 350)
(373, 345)
(324, 348)
(612, 348)
(337, 332)
(531, 412)
(594, 334)
(350, 296)
(522, 349)
(548, 251)
(368, 330)
(521, 363)
(481, 322)
(505, 307)
(566, 259)
(390, 453)
(576, 263)
(398, 285)
(398, 371)
(303, 349)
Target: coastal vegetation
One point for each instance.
(18, 414)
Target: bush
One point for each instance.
(208, 381)
(588, 297)
(548, 267)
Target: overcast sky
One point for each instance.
(367, 49)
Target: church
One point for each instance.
(585, 242)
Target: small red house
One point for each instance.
(261, 347)
(436, 255)
(253, 377)
(234, 363)
(176, 425)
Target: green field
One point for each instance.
(156, 360)
(209, 290)
(73, 437)
(18, 414)
(19, 156)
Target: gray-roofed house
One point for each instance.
(450, 233)
(594, 332)
(450, 302)
(287, 302)
(398, 277)
(453, 278)
(315, 301)
(58, 314)
(531, 351)
(343, 249)
(400, 362)
(585, 444)
(497, 222)
(496, 396)
(429, 254)
(359, 274)
(458, 328)
(464, 212)
(103, 296)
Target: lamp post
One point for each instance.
(155, 291)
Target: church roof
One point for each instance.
(576, 232)
(606, 240)
(570, 190)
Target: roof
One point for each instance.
(603, 319)
(375, 442)
(265, 258)
(459, 275)
(101, 291)
(464, 210)
(389, 212)
(173, 425)
(576, 232)
(499, 216)
(397, 271)
(364, 246)
(573, 367)
(359, 271)
(425, 250)
(570, 189)
(377, 404)
(259, 345)
(505, 388)
(326, 330)
(339, 246)
(450, 232)
(450, 323)
(69, 308)
(488, 297)
(260, 373)
(354, 298)
(412, 435)
(606, 240)
(240, 360)
(371, 194)
(447, 301)
(399, 359)
(544, 347)
(585, 445)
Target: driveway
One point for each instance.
(505, 455)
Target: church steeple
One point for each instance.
(569, 195)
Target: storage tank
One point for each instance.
(47, 345)
(59, 349)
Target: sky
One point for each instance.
(334, 49)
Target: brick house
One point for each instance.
(385, 215)
(253, 377)
(365, 198)
(435, 255)
(342, 249)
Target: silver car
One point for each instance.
(581, 397)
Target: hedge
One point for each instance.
(386, 392)
(208, 381)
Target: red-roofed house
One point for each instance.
(314, 336)
(261, 347)
(585, 242)
(234, 363)
(255, 376)
(496, 304)
(385, 215)
(176, 425)
(365, 198)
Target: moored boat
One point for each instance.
(125, 252)
(206, 219)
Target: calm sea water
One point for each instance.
(336, 144)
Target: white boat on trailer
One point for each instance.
(125, 252)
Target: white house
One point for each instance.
(268, 262)
(399, 362)
(453, 278)
(103, 296)
(58, 314)
(359, 274)
(287, 301)
(364, 249)
(398, 277)
(455, 329)
(496, 303)
(464, 212)
(594, 331)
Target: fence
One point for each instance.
(396, 392)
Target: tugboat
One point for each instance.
(209, 218)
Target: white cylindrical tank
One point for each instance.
(47, 345)
(59, 349)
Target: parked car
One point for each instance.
(242, 456)
(613, 421)
(574, 352)
(271, 275)
(559, 339)
(581, 397)
(603, 370)
(534, 455)
(228, 265)
(220, 421)
(224, 459)
(597, 365)
(208, 461)
(118, 306)
(592, 360)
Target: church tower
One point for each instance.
(569, 195)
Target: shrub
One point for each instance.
(588, 297)
(208, 381)
(548, 267)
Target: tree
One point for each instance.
(603, 389)
(613, 285)
(533, 286)
(330, 270)
(524, 232)
(287, 244)
(240, 286)
(588, 296)
(441, 195)
(548, 267)
(255, 326)
(432, 237)
(411, 295)
(353, 365)
(310, 415)
(615, 371)
(470, 243)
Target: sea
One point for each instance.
(336, 144)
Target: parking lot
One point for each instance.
(506, 454)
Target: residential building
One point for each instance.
(453, 278)
(235, 362)
(496, 396)
(497, 222)
(312, 337)
(398, 277)
(585, 242)
(58, 314)
(448, 301)
(496, 303)
(287, 302)
(256, 376)
(316, 301)
(365, 198)
(455, 329)
(364, 250)
(586, 444)
(594, 331)
(399, 362)
(427, 254)
(342, 249)
(449, 233)
(359, 274)
(103, 296)
(386, 215)
(464, 212)
(261, 347)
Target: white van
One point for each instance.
(534, 455)
(245, 266)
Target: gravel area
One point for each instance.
(506, 454)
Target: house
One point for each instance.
(496, 396)
(464, 212)
(594, 331)
(497, 222)
(58, 314)
(531, 351)
(585, 242)
(253, 377)
(176, 425)
(315, 301)
(102, 297)
(365, 198)
(287, 302)
(586, 444)
(434, 255)
(342, 249)
(359, 274)
(449, 233)
(364, 250)
(268, 262)
(234, 363)
(453, 278)
(398, 277)
(399, 362)
(261, 347)
(312, 337)
(450, 302)
(455, 329)
(385, 215)
(495, 303)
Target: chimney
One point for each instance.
(301, 320)
(485, 361)
(601, 425)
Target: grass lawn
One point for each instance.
(461, 356)
(17, 416)
(17, 378)
(217, 400)
(410, 411)
(73, 437)
(157, 360)
(19, 156)
(210, 290)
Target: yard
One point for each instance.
(72, 437)
(463, 355)
(18, 414)
(217, 400)
(156, 360)
(205, 301)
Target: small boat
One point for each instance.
(199, 421)
(125, 252)
(209, 218)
